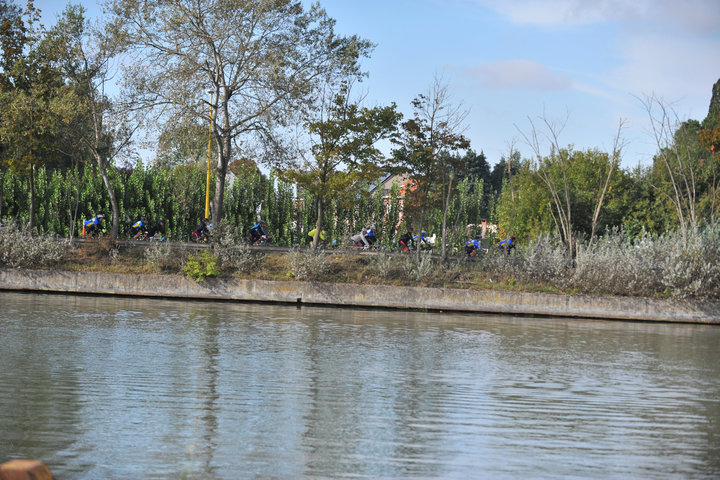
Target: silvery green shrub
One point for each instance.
(18, 249)
(386, 265)
(615, 264)
(308, 264)
(242, 257)
(544, 263)
(159, 254)
(691, 268)
(418, 269)
(232, 251)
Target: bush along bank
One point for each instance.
(652, 266)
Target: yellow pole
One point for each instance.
(207, 182)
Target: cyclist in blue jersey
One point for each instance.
(258, 233)
(94, 226)
(138, 228)
(508, 244)
(421, 242)
(473, 246)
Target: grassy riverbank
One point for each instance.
(659, 267)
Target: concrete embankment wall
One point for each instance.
(318, 293)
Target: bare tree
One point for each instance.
(554, 172)
(677, 158)
(614, 162)
(559, 191)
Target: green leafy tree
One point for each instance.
(103, 127)
(427, 151)
(343, 157)
(503, 171)
(527, 208)
(685, 173)
(709, 136)
(261, 61)
(479, 173)
(524, 211)
(38, 104)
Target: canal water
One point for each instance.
(107, 388)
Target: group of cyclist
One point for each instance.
(477, 245)
(409, 241)
(258, 235)
(141, 229)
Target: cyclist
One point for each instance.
(202, 231)
(421, 241)
(407, 241)
(322, 239)
(365, 238)
(138, 228)
(508, 244)
(258, 233)
(372, 235)
(93, 226)
(157, 231)
(473, 246)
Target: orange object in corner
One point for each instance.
(25, 470)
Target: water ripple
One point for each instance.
(113, 388)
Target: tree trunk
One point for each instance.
(221, 169)
(2, 189)
(224, 143)
(318, 222)
(74, 203)
(614, 162)
(446, 207)
(111, 193)
(31, 219)
(421, 223)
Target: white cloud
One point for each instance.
(565, 12)
(667, 47)
(699, 17)
(668, 66)
(523, 74)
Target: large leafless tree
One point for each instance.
(675, 153)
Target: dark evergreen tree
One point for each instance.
(501, 172)
(714, 110)
(477, 166)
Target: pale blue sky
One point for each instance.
(510, 60)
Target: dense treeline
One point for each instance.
(65, 144)
(177, 195)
